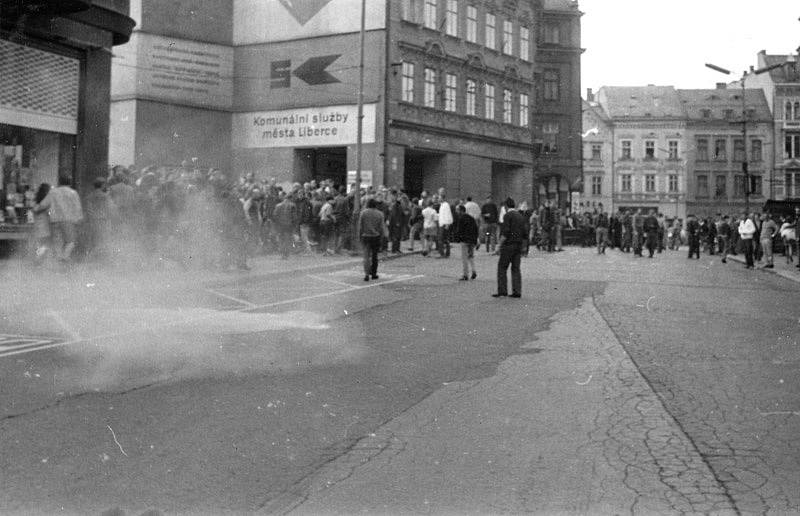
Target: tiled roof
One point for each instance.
(641, 102)
(720, 100)
(560, 5)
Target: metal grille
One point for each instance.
(33, 80)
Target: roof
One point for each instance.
(640, 102)
(719, 100)
(785, 73)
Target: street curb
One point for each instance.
(784, 274)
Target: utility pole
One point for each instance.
(359, 129)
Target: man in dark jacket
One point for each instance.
(466, 232)
(512, 241)
(285, 218)
(693, 234)
(650, 227)
(371, 229)
(489, 216)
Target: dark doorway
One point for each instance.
(422, 170)
(321, 163)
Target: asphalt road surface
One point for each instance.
(614, 385)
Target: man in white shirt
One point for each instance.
(66, 213)
(746, 231)
(473, 210)
(445, 221)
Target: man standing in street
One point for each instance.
(601, 231)
(489, 214)
(445, 221)
(768, 231)
(285, 218)
(693, 235)
(724, 237)
(371, 230)
(638, 232)
(512, 242)
(466, 231)
(746, 231)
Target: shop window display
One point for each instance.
(28, 158)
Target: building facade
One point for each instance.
(450, 94)
(781, 87)
(718, 120)
(598, 156)
(55, 68)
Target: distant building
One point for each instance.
(718, 151)
(781, 87)
(456, 92)
(598, 158)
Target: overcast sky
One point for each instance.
(667, 42)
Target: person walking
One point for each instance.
(746, 231)
(650, 227)
(371, 229)
(601, 231)
(512, 241)
(466, 232)
(445, 221)
(66, 213)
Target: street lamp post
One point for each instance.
(745, 163)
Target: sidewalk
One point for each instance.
(782, 268)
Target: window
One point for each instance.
(408, 82)
(491, 38)
(649, 149)
(507, 106)
(451, 18)
(429, 94)
(720, 187)
(469, 96)
(626, 149)
(650, 183)
(673, 149)
(755, 150)
(552, 34)
(597, 185)
(627, 183)
(597, 150)
(792, 184)
(797, 110)
(523, 109)
(508, 37)
(673, 183)
(738, 186)
(727, 114)
(720, 150)
(472, 24)
(488, 101)
(792, 146)
(738, 150)
(524, 43)
(702, 149)
(550, 132)
(411, 10)
(702, 185)
(450, 90)
(551, 84)
(705, 113)
(429, 19)
(755, 185)
(787, 114)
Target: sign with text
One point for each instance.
(262, 21)
(306, 127)
(177, 70)
(320, 71)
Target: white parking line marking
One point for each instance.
(320, 278)
(231, 298)
(68, 329)
(375, 283)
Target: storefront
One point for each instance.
(55, 64)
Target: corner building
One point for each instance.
(55, 70)
(451, 91)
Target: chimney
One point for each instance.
(722, 86)
(589, 95)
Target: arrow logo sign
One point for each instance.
(313, 71)
(304, 10)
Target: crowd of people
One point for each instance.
(201, 219)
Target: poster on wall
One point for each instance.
(305, 127)
(262, 21)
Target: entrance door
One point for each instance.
(321, 163)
